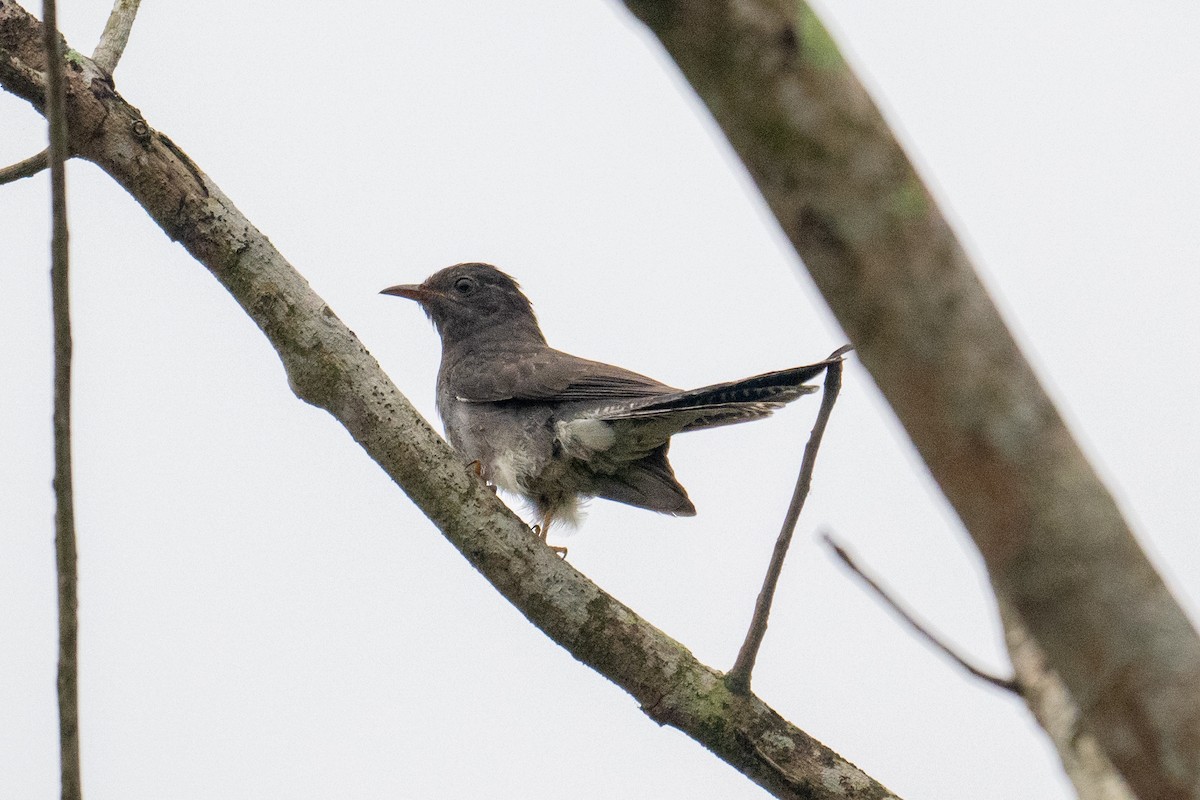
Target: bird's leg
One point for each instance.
(541, 531)
(477, 467)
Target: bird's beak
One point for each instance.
(413, 291)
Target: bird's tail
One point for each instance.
(726, 403)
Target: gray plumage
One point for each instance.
(555, 428)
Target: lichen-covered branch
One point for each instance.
(1055, 544)
(328, 367)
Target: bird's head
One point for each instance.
(466, 299)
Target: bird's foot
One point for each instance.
(540, 532)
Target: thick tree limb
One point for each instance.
(1054, 542)
(328, 367)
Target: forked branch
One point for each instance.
(107, 54)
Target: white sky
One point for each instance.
(265, 615)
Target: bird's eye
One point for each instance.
(464, 285)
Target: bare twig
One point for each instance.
(738, 678)
(1009, 684)
(64, 517)
(25, 169)
(107, 54)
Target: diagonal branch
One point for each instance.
(738, 678)
(1008, 684)
(1054, 542)
(328, 367)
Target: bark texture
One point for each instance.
(1055, 544)
(328, 367)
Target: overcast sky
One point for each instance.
(263, 614)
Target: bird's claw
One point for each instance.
(540, 532)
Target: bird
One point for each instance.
(557, 429)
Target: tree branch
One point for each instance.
(871, 236)
(1084, 761)
(107, 54)
(25, 169)
(64, 502)
(328, 367)
(1008, 684)
(116, 34)
(738, 678)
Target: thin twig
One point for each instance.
(1008, 684)
(108, 53)
(738, 678)
(64, 517)
(25, 169)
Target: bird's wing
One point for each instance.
(546, 374)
